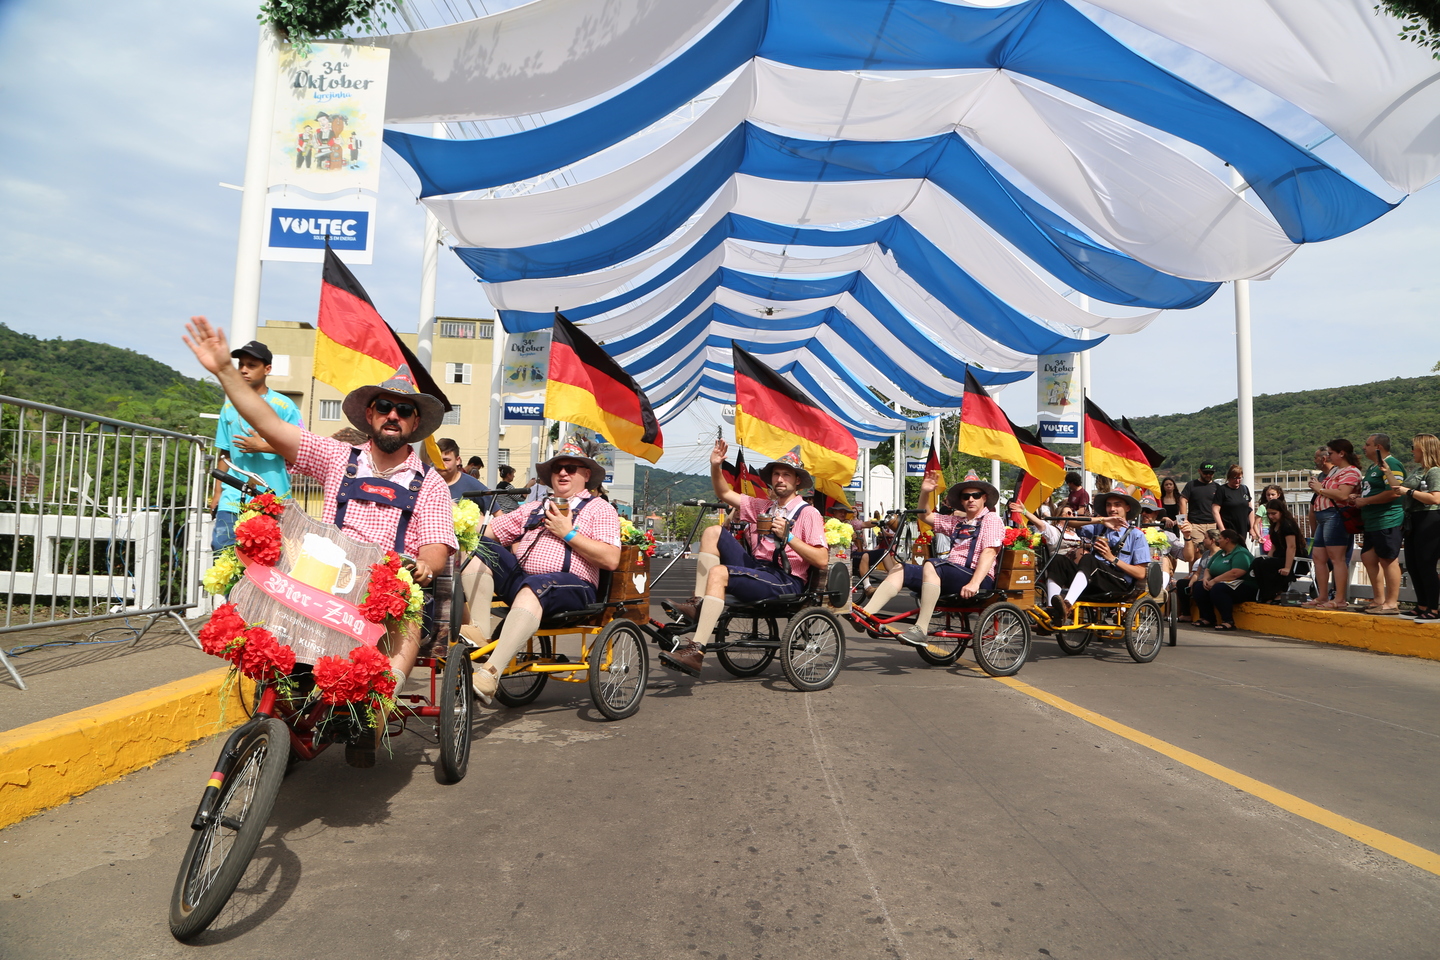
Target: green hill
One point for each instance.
(110, 381)
(1289, 426)
(665, 489)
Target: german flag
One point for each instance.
(1110, 451)
(588, 388)
(1044, 470)
(932, 465)
(1153, 457)
(773, 417)
(748, 481)
(985, 431)
(355, 347)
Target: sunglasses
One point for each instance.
(567, 468)
(383, 407)
(972, 495)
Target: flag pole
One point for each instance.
(1084, 304)
(429, 266)
(1244, 383)
(245, 300)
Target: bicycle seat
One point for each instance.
(969, 603)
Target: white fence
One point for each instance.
(99, 519)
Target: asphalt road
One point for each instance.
(908, 812)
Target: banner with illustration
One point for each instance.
(917, 448)
(1057, 405)
(325, 153)
(524, 363)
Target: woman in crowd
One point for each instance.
(1103, 485)
(1199, 560)
(1272, 491)
(1232, 503)
(1274, 572)
(1332, 543)
(1170, 498)
(1421, 493)
(1226, 582)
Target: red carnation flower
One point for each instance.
(259, 540)
(267, 503)
(217, 636)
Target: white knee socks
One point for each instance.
(479, 593)
(519, 626)
(883, 594)
(1077, 587)
(710, 610)
(929, 595)
(704, 563)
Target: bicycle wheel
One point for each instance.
(220, 851)
(457, 713)
(618, 669)
(747, 661)
(948, 649)
(1143, 630)
(1172, 614)
(1002, 640)
(1072, 642)
(814, 649)
(518, 689)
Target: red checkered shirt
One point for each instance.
(807, 525)
(596, 520)
(991, 533)
(432, 522)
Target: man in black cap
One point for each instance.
(238, 444)
(1197, 504)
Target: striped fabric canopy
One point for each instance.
(879, 196)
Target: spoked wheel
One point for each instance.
(814, 649)
(1072, 642)
(946, 649)
(1172, 615)
(1002, 640)
(457, 713)
(518, 689)
(1144, 630)
(220, 851)
(747, 661)
(619, 669)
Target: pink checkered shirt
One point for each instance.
(807, 525)
(990, 532)
(597, 520)
(433, 520)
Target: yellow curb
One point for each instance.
(47, 763)
(1381, 634)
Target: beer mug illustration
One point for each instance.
(320, 563)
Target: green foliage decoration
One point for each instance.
(1419, 19)
(303, 21)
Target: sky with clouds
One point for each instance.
(121, 121)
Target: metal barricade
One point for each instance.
(99, 519)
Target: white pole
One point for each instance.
(995, 474)
(865, 480)
(899, 489)
(499, 345)
(245, 301)
(1244, 383)
(429, 266)
(1084, 394)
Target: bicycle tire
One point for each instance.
(951, 655)
(455, 724)
(1002, 640)
(618, 669)
(203, 887)
(518, 689)
(1143, 630)
(748, 661)
(1069, 646)
(814, 649)
(1172, 614)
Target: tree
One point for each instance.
(1419, 21)
(301, 21)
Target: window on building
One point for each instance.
(485, 331)
(457, 373)
(452, 417)
(458, 329)
(329, 409)
(280, 365)
(503, 455)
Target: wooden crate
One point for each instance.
(631, 583)
(1017, 570)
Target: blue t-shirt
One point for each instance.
(269, 467)
(466, 484)
(1128, 545)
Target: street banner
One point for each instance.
(917, 448)
(1057, 407)
(325, 153)
(522, 378)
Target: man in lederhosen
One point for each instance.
(777, 563)
(976, 534)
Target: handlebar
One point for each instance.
(228, 480)
(705, 504)
(252, 486)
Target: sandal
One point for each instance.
(1204, 623)
(1223, 627)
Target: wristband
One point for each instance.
(571, 535)
(789, 538)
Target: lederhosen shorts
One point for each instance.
(558, 592)
(752, 579)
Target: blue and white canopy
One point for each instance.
(877, 195)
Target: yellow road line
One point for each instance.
(1400, 849)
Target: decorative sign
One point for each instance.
(917, 448)
(522, 377)
(1057, 407)
(325, 152)
(310, 598)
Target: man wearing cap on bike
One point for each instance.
(976, 534)
(377, 493)
(1117, 557)
(777, 563)
(544, 558)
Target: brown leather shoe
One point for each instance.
(687, 659)
(1061, 611)
(689, 609)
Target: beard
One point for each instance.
(389, 443)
